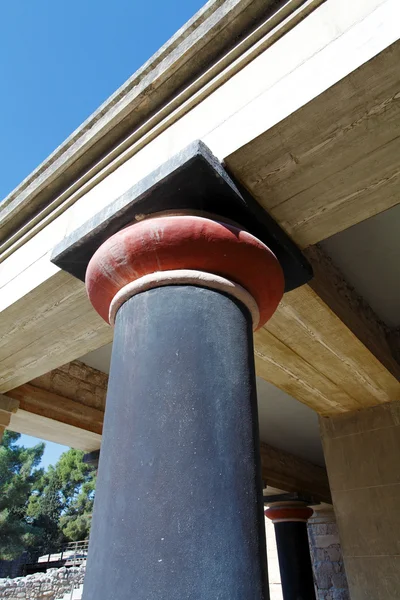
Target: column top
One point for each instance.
(160, 249)
(290, 511)
(192, 180)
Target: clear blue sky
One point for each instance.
(52, 452)
(60, 60)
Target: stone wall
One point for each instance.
(326, 556)
(362, 452)
(52, 585)
(77, 382)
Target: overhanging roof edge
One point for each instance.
(178, 57)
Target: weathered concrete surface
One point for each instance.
(362, 457)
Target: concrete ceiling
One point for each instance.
(368, 255)
(285, 423)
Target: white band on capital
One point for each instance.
(290, 520)
(186, 277)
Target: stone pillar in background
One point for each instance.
(178, 512)
(290, 521)
(326, 556)
(92, 458)
(362, 453)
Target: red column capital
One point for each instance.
(289, 512)
(185, 249)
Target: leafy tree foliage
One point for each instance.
(19, 474)
(63, 505)
(41, 509)
(78, 482)
(44, 510)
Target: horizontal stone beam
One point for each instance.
(43, 413)
(285, 471)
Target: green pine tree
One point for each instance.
(78, 486)
(39, 510)
(62, 505)
(19, 474)
(44, 510)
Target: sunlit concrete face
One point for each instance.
(284, 422)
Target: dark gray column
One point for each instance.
(179, 510)
(290, 521)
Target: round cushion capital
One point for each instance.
(170, 243)
(282, 514)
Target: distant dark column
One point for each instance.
(179, 510)
(92, 458)
(290, 521)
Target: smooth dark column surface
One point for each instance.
(179, 512)
(294, 560)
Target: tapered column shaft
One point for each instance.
(178, 509)
(294, 561)
(290, 521)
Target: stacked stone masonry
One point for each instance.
(326, 555)
(77, 382)
(52, 585)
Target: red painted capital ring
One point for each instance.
(185, 242)
(280, 514)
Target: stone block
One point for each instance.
(78, 370)
(374, 418)
(352, 465)
(370, 520)
(333, 554)
(325, 541)
(339, 580)
(97, 378)
(327, 568)
(341, 594)
(323, 581)
(87, 395)
(373, 577)
(319, 555)
(63, 385)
